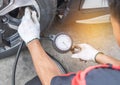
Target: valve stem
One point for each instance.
(5, 20)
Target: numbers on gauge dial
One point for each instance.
(63, 42)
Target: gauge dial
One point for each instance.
(63, 42)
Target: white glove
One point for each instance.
(29, 28)
(86, 52)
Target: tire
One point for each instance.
(47, 11)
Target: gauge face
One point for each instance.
(63, 42)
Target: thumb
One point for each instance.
(75, 56)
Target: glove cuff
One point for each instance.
(31, 40)
(96, 56)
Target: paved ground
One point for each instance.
(99, 36)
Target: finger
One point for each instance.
(76, 46)
(27, 13)
(34, 17)
(82, 46)
(76, 49)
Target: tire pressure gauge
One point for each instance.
(62, 42)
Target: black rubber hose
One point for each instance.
(60, 66)
(15, 63)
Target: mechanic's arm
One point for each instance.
(45, 67)
(29, 30)
(103, 59)
(88, 53)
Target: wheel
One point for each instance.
(9, 38)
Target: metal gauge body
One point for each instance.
(62, 42)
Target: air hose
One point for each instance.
(16, 61)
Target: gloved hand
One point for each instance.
(87, 52)
(29, 28)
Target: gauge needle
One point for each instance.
(65, 44)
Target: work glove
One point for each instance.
(85, 52)
(29, 28)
